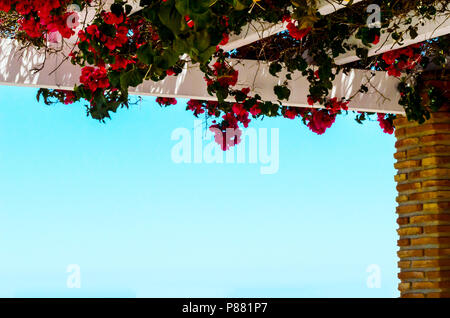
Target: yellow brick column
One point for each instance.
(423, 184)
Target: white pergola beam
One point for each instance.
(259, 30)
(16, 66)
(428, 30)
(330, 6)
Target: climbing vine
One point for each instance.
(122, 47)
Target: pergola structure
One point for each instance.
(423, 151)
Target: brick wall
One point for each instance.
(423, 184)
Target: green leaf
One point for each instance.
(114, 79)
(362, 53)
(146, 54)
(275, 68)
(238, 5)
(117, 9)
(282, 92)
(132, 78)
(171, 19)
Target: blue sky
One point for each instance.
(109, 198)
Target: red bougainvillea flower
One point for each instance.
(5, 5)
(227, 134)
(320, 121)
(31, 27)
(94, 78)
(69, 96)
(196, 106)
(93, 30)
(165, 101)
(226, 138)
(225, 39)
(42, 17)
(241, 114)
(290, 113)
(230, 121)
(310, 100)
(224, 20)
(393, 71)
(225, 75)
(121, 63)
(228, 79)
(385, 124)
(402, 59)
(295, 32)
(255, 110)
(286, 18)
(189, 21)
(245, 90)
(316, 74)
(335, 106)
(111, 18)
(377, 39)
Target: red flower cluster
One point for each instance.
(377, 40)
(165, 101)
(140, 31)
(255, 110)
(227, 134)
(320, 120)
(93, 78)
(111, 42)
(335, 106)
(199, 107)
(41, 17)
(225, 39)
(292, 112)
(311, 100)
(196, 106)
(226, 138)
(294, 31)
(121, 63)
(241, 114)
(68, 98)
(111, 19)
(402, 59)
(96, 39)
(385, 124)
(224, 74)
